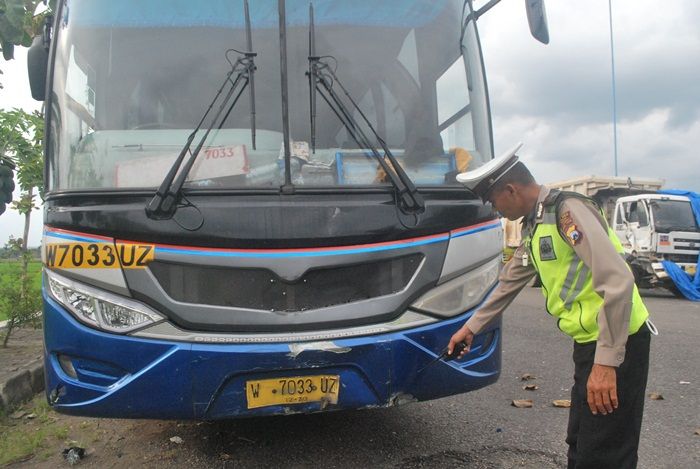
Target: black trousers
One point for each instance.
(609, 441)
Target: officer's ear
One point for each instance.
(510, 189)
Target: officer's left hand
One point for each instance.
(602, 389)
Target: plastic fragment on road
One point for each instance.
(73, 455)
(527, 377)
(531, 387)
(177, 440)
(655, 396)
(563, 403)
(522, 403)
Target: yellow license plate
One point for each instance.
(98, 255)
(292, 390)
(691, 269)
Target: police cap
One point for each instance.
(482, 179)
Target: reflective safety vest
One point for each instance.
(567, 282)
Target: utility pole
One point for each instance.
(614, 98)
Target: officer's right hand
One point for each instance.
(465, 335)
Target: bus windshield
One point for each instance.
(132, 79)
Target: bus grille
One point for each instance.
(261, 289)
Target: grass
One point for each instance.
(22, 439)
(12, 267)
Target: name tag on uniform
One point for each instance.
(547, 249)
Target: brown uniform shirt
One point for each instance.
(612, 279)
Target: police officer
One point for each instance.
(590, 291)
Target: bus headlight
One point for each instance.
(459, 294)
(98, 308)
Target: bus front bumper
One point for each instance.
(93, 373)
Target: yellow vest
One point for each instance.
(567, 282)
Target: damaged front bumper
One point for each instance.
(93, 373)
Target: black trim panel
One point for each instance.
(266, 221)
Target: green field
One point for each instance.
(13, 267)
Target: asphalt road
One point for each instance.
(482, 429)
(476, 430)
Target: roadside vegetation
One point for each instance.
(20, 295)
(10, 272)
(20, 23)
(31, 432)
(21, 147)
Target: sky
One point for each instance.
(557, 98)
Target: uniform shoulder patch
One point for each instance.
(569, 228)
(574, 234)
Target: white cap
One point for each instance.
(482, 179)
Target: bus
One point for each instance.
(252, 208)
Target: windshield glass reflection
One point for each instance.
(134, 78)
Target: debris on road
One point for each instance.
(531, 387)
(655, 396)
(565, 403)
(527, 377)
(19, 414)
(522, 403)
(73, 455)
(697, 431)
(684, 382)
(177, 440)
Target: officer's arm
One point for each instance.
(511, 280)
(612, 279)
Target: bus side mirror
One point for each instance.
(38, 61)
(537, 18)
(37, 66)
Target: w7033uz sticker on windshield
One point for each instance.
(98, 255)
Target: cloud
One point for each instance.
(649, 147)
(558, 98)
(654, 146)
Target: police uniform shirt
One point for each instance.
(612, 279)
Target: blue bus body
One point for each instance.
(126, 377)
(283, 281)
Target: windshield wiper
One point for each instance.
(321, 81)
(164, 202)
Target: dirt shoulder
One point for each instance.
(23, 350)
(35, 436)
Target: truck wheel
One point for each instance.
(642, 278)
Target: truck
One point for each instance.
(252, 209)
(651, 225)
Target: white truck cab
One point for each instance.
(654, 227)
